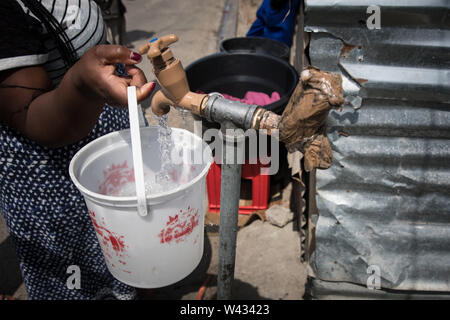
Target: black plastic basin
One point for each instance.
(237, 73)
(256, 45)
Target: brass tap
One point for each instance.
(171, 76)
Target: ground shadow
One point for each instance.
(10, 276)
(136, 35)
(240, 291)
(188, 288)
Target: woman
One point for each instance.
(55, 78)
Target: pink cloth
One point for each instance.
(252, 97)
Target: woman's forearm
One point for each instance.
(68, 113)
(62, 116)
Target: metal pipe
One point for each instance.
(222, 110)
(232, 115)
(229, 206)
(218, 109)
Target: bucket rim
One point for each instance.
(115, 201)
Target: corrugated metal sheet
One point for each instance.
(386, 199)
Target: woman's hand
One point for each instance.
(59, 116)
(94, 75)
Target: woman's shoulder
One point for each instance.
(25, 41)
(83, 24)
(21, 41)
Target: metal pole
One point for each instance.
(230, 187)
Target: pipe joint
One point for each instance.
(219, 109)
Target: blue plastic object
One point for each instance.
(120, 70)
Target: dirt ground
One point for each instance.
(268, 257)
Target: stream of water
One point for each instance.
(169, 176)
(162, 177)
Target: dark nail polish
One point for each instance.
(136, 56)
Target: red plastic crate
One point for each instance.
(260, 187)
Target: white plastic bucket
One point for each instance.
(166, 245)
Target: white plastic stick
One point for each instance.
(136, 148)
(141, 116)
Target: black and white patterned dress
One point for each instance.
(45, 214)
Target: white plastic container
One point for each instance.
(166, 245)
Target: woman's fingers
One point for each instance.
(111, 54)
(118, 91)
(118, 94)
(137, 76)
(116, 87)
(145, 91)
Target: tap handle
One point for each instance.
(154, 47)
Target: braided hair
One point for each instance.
(55, 30)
